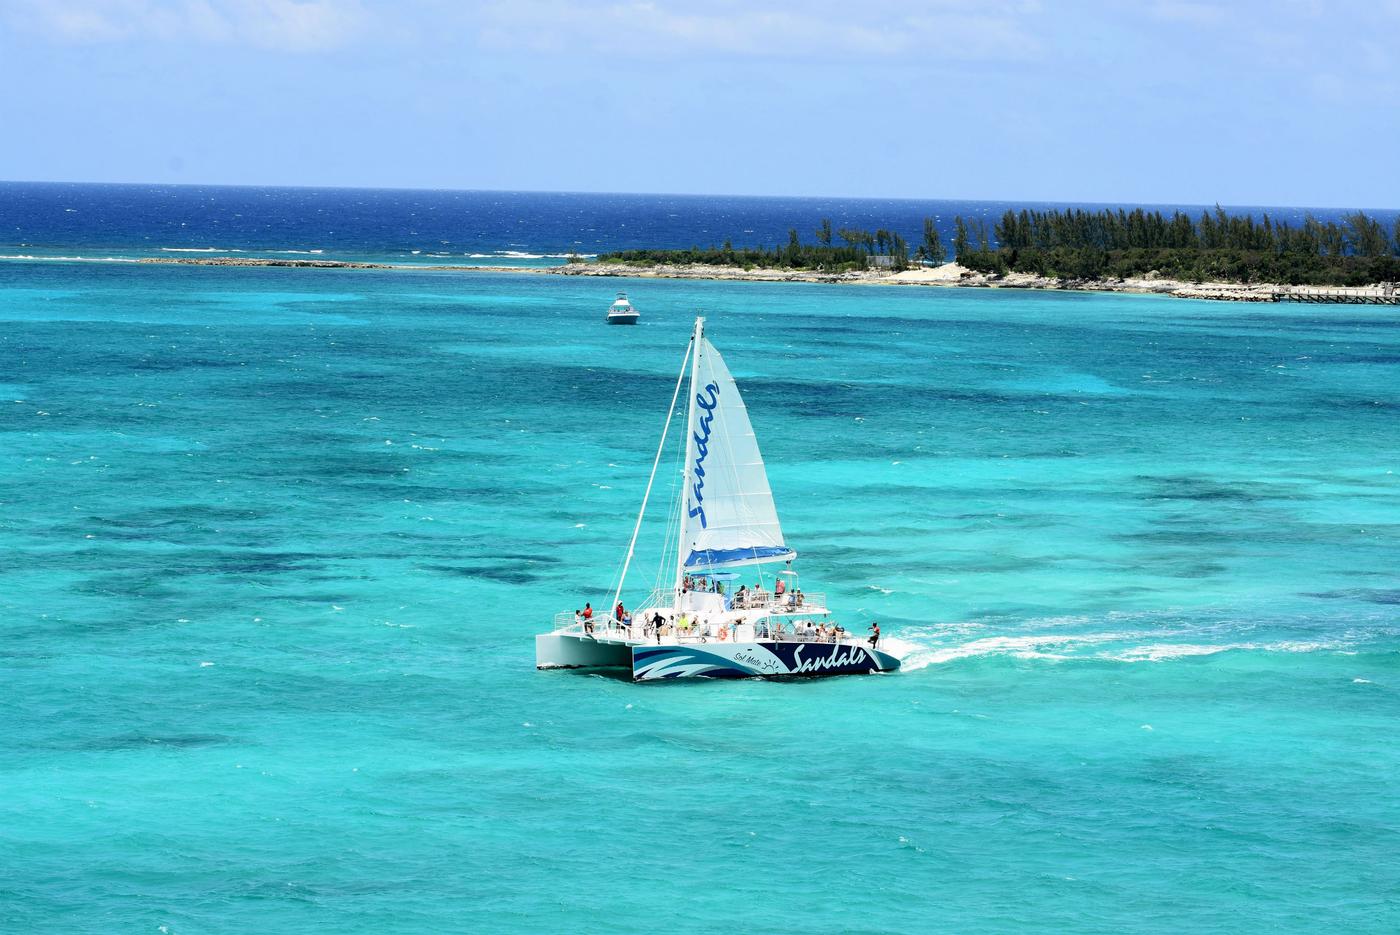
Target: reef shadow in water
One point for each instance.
(1195, 489)
(1369, 595)
(138, 741)
(503, 574)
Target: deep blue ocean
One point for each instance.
(276, 543)
(49, 220)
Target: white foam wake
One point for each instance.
(522, 255)
(1161, 652)
(950, 643)
(85, 259)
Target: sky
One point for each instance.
(1288, 102)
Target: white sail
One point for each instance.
(727, 516)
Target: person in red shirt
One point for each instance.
(874, 635)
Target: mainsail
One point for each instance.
(727, 512)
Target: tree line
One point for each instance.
(1083, 244)
(835, 250)
(1079, 244)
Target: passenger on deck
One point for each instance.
(619, 612)
(779, 588)
(797, 597)
(874, 635)
(587, 611)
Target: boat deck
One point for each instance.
(711, 617)
(612, 633)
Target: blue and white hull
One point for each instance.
(757, 660)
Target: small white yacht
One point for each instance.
(621, 312)
(696, 622)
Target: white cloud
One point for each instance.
(289, 25)
(957, 29)
(1187, 11)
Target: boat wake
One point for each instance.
(919, 648)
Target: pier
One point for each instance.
(1384, 294)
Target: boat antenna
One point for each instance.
(631, 546)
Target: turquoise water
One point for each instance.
(276, 543)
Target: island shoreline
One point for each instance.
(949, 275)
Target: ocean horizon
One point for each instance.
(115, 222)
(277, 543)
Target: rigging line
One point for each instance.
(672, 518)
(660, 448)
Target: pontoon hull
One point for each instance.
(756, 660)
(565, 651)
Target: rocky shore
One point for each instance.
(256, 261)
(321, 264)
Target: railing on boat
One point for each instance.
(809, 602)
(608, 628)
(665, 598)
(791, 602)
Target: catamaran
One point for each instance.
(621, 311)
(698, 623)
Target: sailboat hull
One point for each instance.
(569, 651)
(756, 660)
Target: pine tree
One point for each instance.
(959, 237)
(899, 250)
(932, 247)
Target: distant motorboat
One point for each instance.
(621, 312)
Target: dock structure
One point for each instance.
(1384, 294)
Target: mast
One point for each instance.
(695, 340)
(661, 446)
